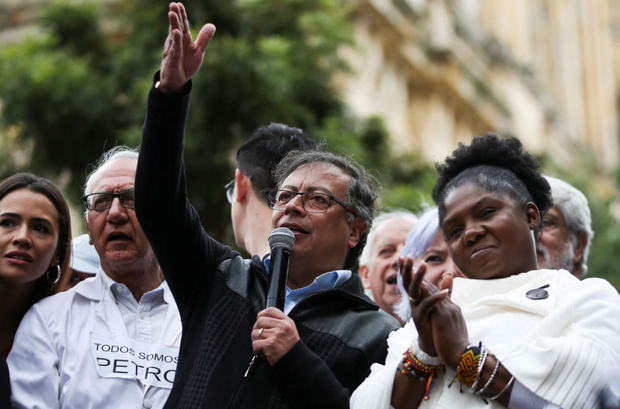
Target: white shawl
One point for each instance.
(562, 347)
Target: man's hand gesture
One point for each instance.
(182, 55)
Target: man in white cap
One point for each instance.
(84, 261)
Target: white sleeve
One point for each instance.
(376, 390)
(589, 350)
(579, 342)
(33, 365)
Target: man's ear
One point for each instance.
(579, 247)
(358, 228)
(241, 186)
(363, 272)
(533, 216)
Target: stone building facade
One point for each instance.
(443, 71)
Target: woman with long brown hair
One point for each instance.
(35, 247)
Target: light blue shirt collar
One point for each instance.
(325, 281)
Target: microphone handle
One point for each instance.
(278, 277)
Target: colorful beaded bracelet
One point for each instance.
(412, 367)
(469, 367)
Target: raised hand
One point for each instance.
(449, 332)
(182, 55)
(440, 324)
(423, 297)
(273, 335)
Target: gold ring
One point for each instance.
(411, 299)
(260, 332)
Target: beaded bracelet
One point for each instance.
(412, 367)
(467, 371)
(423, 356)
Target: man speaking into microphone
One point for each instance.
(320, 348)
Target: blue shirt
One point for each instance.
(323, 282)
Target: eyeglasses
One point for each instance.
(229, 188)
(312, 202)
(103, 201)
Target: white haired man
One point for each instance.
(112, 340)
(379, 259)
(565, 238)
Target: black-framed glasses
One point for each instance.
(312, 202)
(229, 188)
(103, 200)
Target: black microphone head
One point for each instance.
(282, 237)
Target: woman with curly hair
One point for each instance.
(510, 335)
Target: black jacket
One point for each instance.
(219, 294)
(5, 385)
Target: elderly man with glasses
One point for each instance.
(250, 191)
(110, 341)
(315, 352)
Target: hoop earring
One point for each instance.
(47, 274)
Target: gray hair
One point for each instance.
(422, 234)
(573, 205)
(418, 241)
(361, 194)
(376, 223)
(118, 152)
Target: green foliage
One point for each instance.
(72, 29)
(58, 103)
(75, 91)
(406, 179)
(411, 185)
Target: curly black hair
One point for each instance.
(498, 165)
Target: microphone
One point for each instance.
(281, 242)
